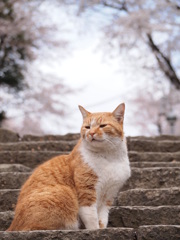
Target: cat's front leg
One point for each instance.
(103, 214)
(89, 216)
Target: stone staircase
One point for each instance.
(147, 208)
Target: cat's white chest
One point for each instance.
(112, 171)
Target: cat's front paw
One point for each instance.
(101, 224)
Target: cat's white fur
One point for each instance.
(109, 160)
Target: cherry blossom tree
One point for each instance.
(25, 93)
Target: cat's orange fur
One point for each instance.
(52, 195)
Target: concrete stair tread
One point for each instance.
(126, 216)
(133, 197)
(39, 146)
(153, 145)
(158, 177)
(61, 145)
(33, 158)
(107, 234)
(151, 232)
(135, 216)
(154, 164)
(149, 197)
(14, 168)
(136, 156)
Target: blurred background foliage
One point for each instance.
(146, 32)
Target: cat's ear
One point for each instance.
(83, 111)
(118, 113)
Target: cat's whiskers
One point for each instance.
(109, 141)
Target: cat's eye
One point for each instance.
(87, 127)
(103, 125)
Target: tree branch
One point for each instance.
(121, 7)
(164, 63)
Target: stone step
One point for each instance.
(154, 164)
(133, 197)
(102, 234)
(141, 178)
(39, 146)
(62, 145)
(154, 156)
(153, 145)
(150, 178)
(8, 199)
(125, 216)
(135, 216)
(158, 232)
(34, 158)
(8, 136)
(66, 137)
(28, 158)
(149, 197)
(12, 180)
(14, 168)
(151, 232)
(157, 138)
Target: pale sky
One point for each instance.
(101, 83)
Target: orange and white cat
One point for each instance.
(80, 187)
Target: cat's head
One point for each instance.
(104, 128)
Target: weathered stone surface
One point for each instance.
(67, 137)
(5, 220)
(133, 145)
(133, 197)
(159, 232)
(153, 145)
(159, 138)
(8, 136)
(149, 197)
(38, 146)
(28, 158)
(134, 217)
(34, 158)
(109, 234)
(154, 164)
(13, 180)
(14, 168)
(141, 178)
(130, 217)
(149, 178)
(154, 156)
(8, 199)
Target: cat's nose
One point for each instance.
(92, 134)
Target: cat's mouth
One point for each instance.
(96, 140)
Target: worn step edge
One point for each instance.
(158, 232)
(133, 197)
(133, 145)
(39, 146)
(125, 216)
(100, 234)
(5, 167)
(149, 197)
(135, 216)
(151, 232)
(154, 164)
(141, 178)
(135, 156)
(34, 158)
(153, 145)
